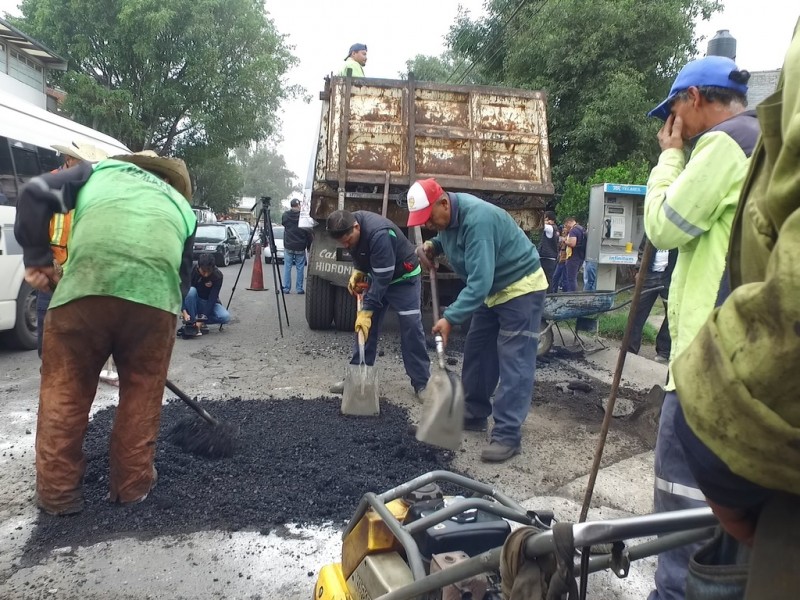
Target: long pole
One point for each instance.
(623, 352)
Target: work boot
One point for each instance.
(61, 511)
(497, 452)
(337, 388)
(476, 423)
(419, 393)
(660, 358)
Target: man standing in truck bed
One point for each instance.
(355, 61)
(504, 292)
(386, 266)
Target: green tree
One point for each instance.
(217, 178)
(264, 173)
(603, 64)
(167, 75)
(432, 68)
(574, 201)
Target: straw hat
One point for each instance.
(81, 151)
(174, 169)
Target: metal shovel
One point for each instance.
(360, 396)
(442, 422)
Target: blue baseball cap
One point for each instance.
(709, 71)
(355, 48)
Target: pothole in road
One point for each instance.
(299, 461)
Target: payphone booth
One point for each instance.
(616, 227)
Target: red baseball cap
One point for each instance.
(421, 198)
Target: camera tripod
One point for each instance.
(267, 237)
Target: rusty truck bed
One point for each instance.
(485, 140)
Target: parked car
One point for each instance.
(267, 252)
(220, 240)
(244, 230)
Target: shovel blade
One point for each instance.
(360, 396)
(442, 422)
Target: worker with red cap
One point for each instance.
(504, 294)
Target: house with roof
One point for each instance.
(24, 64)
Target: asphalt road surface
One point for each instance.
(262, 523)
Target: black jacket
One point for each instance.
(384, 253)
(295, 239)
(208, 288)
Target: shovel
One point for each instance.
(442, 422)
(360, 396)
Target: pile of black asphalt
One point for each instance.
(298, 461)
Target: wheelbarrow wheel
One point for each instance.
(545, 338)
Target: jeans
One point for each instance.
(558, 278)
(195, 305)
(675, 489)
(500, 352)
(646, 302)
(403, 297)
(589, 276)
(298, 259)
(571, 268)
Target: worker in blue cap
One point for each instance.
(355, 61)
(689, 206)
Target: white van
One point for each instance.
(26, 134)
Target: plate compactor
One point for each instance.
(417, 542)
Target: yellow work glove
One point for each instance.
(364, 322)
(356, 277)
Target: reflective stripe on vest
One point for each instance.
(60, 225)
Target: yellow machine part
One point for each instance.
(371, 535)
(331, 584)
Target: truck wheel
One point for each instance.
(344, 311)
(319, 302)
(545, 338)
(23, 336)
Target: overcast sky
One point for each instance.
(321, 31)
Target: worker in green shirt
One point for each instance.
(130, 258)
(355, 61)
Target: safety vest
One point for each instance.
(60, 225)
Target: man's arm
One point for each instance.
(187, 259)
(683, 199)
(738, 379)
(213, 293)
(39, 199)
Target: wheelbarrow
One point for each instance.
(574, 305)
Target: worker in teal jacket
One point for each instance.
(504, 292)
(690, 205)
(738, 379)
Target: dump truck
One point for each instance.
(378, 136)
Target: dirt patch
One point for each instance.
(299, 461)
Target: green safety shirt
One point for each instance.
(351, 63)
(127, 239)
